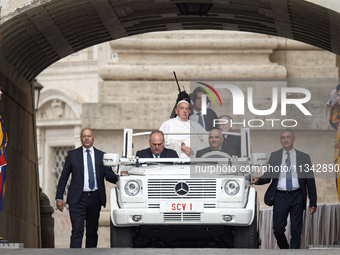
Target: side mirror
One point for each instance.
(111, 159)
(259, 159)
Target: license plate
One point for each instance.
(192, 206)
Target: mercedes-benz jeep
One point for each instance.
(207, 199)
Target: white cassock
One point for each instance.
(176, 125)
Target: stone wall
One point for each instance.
(20, 216)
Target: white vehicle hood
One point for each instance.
(160, 169)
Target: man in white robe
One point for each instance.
(185, 145)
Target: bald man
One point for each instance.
(215, 141)
(86, 193)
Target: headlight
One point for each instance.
(231, 188)
(132, 188)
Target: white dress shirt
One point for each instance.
(86, 172)
(194, 117)
(282, 179)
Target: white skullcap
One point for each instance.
(185, 101)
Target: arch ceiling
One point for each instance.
(33, 40)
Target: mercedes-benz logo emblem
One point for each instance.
(181, 188)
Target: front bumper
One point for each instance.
(123, 217)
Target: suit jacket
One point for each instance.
(232, 145)
(200, 153)
(166, 153)
(208, 119)
(74, 164)
(305, 177)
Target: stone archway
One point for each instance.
(39, 34)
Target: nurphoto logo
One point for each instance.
(238, 99)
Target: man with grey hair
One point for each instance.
(184, 144)
(156, 149)
(289, 172)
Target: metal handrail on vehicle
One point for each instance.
(128, 135)
(185, 133)
(133, 160)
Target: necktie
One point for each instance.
(200, 120)
(289, 184)
(90, 170)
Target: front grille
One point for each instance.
(197, 188)
(182, 217)
(210, 205)
(153, 206)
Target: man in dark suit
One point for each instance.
(291, 177)
(157, 149)
(207, 120)
(86, 193)
(215, 142)
(231, 143)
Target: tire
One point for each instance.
(247, 237)
(121, 237)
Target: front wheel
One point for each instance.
(247, 237)
(121, 237)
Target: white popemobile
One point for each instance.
(167, 199)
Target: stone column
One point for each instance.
(46, 221)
